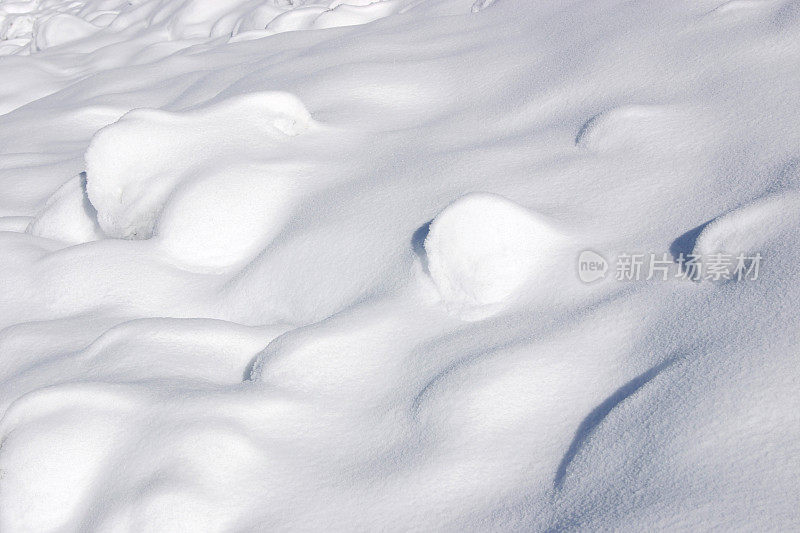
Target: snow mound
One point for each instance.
(204, 350)
(135, 164)
(222, 217)
(354, 13)
(68, 216)
(483, 248)
(35, 25)
(316, 15)
(297, 259)
(60, 29)
(632, 126)
(749, 228)
(56, 442)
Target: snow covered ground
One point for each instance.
(296, 265)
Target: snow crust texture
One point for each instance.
(278, 265)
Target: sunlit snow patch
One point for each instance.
(68, 216)
(56, 442)
(483, 248)
(135, 165)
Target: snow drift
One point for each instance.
(194, 178)
(483, 248)
(260, 279)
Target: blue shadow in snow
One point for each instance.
(685, 243)
(418, 243)
(600, 412)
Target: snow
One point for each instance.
(34, 25)
(146, 158)
(749, 228)
(483, 248)
(294, 265)
(68, 215)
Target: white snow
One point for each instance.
(149, 158)
(313, 265)
(749, 228)
(68, 215)
(31, 26)
(483, 248)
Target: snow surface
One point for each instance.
(292, 265)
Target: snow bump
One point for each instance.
(483, 248)
(749, 228)
(135, 164)
(67, 215)
(633, 126)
